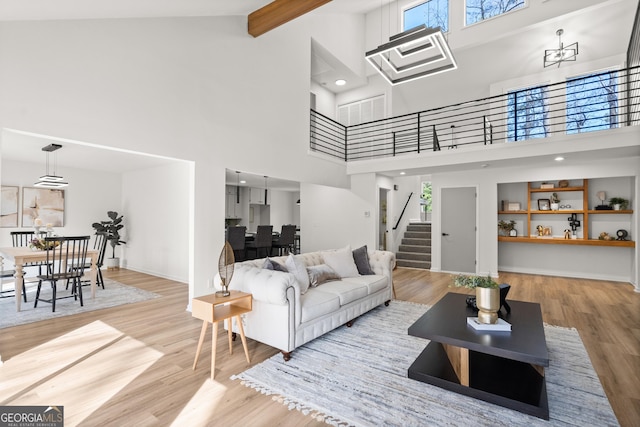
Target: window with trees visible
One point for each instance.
(592, 103)
(425, 197)
(432, 13)
(527, 114)
(479, 10)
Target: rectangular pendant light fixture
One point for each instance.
(413, 54)
(51, 180)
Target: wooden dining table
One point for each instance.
(21, 256)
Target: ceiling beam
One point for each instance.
(279, 12)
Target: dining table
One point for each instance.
(21, 256)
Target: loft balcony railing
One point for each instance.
(599, 101)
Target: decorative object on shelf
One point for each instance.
(546, 230)
(604, 236)
(539, 229)
(555, 201)
(487, 295)
(543, 204)
(618, 203)
(561, 54)
(112, 229)
(574, 223)
(563, 183)
(513, 233)
(622, 234)
(567, 233)
(546, 185)
(513, 206)
(226, 265)
(602, 196)
(506, 227)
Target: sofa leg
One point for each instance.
(350, 323)
(386, 303)
(286, 355)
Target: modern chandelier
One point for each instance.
(562, 53)
(413, 54)
(51, 180)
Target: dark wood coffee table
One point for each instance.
(505, 368)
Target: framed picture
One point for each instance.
(513, 206)
(543, 204)
(44, 203)
(9, 207)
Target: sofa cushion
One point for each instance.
(319, 274)
(316, 303)
(346, 291)
(342, 262)
(373, 283)
(361, 258)
(297, 267)
(270, 264)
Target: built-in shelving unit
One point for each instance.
(576, 194)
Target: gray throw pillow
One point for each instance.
(270, 264)
(361, 258)
(297, 267)
(319, 274)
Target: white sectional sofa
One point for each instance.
(289, 311)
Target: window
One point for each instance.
(432, 13)
(592, 103)
(527, 114)
(479, 10)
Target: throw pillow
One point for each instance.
(361, 258)
(270, 264)
(342, 262)
(319, 274)
(297, 267)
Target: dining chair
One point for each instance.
(6, 274)
(286, 239)
(99, 244)
(236, 236)
(263, 240)
(22, 239)
(67, 259)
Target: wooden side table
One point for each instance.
(214, 309)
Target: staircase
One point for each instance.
(415, 248)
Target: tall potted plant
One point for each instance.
(112, 229)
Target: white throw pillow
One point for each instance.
(297, 267)
(342, 262)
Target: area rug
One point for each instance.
(358, 376)
(114, 293)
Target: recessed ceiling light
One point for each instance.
(559, 159)
(341, 82)
(402, 173)
(243, 181)
(484, 165)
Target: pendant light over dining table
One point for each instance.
(51, 180)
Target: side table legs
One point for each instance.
(214, 341)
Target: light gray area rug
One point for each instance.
(358, 376)
(114, 294)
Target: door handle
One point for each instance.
(445, 234)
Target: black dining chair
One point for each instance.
(263, 240)
(67, 259)
(22, 239)
(236, 236)
(286, 239)
(99, 244)
(6, 274)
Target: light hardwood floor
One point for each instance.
(131, 365)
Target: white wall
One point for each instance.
(155, 203)
(88, 198)
(282, 208)
(609, 263)
(198, 89)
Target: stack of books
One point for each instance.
(501, 325)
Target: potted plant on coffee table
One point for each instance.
(111, 228)
(487, 295)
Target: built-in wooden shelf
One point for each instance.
(562, 241)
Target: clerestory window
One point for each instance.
(432, 13)
(527, 114)
(479, 10)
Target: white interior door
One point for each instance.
(458, 226)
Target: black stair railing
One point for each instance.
(486, 121)
(403, 209)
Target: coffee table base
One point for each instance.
(515, 385)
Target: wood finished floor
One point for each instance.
(131, 365)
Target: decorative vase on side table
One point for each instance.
(488, 303)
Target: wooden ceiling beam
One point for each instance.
(279, 12)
